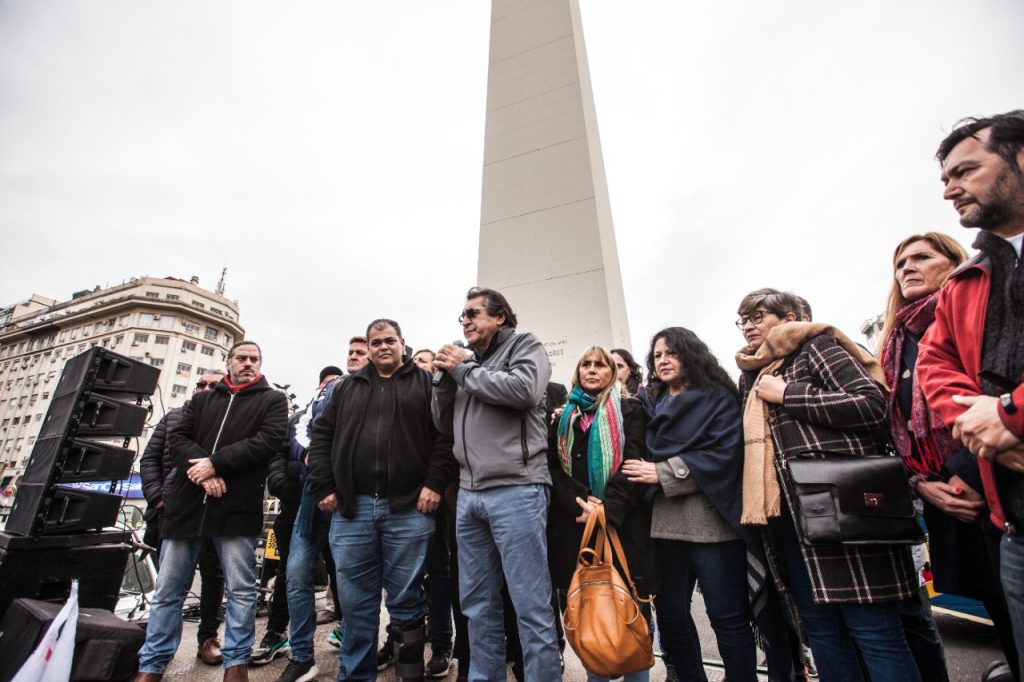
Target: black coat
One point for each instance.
(418, 454)
(255, 422)
(624, 503)
(284, 475)
(157, 465)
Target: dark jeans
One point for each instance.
(923, 637)
(211, 594)
(277, 620)
(721, 570)
(439, 584)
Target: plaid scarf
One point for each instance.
(602, 418)
(923, 441)
(761, 494)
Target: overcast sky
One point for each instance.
(329, 153)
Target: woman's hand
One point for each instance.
(956, 498)
(640, 471)
(587, 506)
(771, 389)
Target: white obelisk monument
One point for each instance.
(546, 235)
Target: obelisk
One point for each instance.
(546, 235)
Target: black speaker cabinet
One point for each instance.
(66, 460)
(103, 371)
(92, 415)
(41, 508)
(43, 568)
(106, 647)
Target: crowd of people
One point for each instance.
(449, 481)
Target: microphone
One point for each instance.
(439, 374)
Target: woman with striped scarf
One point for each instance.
(599, 428)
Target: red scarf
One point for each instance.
(240, 387)
(927, 443)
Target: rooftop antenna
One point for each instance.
(220, 285)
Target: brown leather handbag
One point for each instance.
(603, 622)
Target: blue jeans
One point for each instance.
(309, 534)
(836, 632)
(377, 550)
(1011, 566)
(923, 637)
(721, 570)
(504, 531)
(178, 558)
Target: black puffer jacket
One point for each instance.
(284, 475)
(156, 465)
(418, 455)
(251, 425)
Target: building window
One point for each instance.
(184, 368)
(211, 333)
(190, 327)
(46, 395)
(141, 338)
(198, 304)
(172, 297)
(178, 389)
(74, 334)
(227, 340)
(156, 362)
(216, 311)
(167, 322)
(207, 351)
(146, 319)
(187, 346)
(86, 330)
(152, 294)
(124, 321)
(200, 371)
(118, 339)
(161, 340)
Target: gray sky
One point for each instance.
(329, 153)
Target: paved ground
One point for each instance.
(969, 649)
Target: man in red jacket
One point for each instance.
(971, 361)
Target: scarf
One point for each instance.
(235, 388)
(602, 419)
(761, 494)
(927, 443)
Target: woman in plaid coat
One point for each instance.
(807, 387)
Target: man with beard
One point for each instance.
(220, 450)
(971, 361)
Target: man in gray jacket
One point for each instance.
(493, 401)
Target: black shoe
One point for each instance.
(440, 664)
(325, 617)
(299, 672)
(386, 654)
(274, 644)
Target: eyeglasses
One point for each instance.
(755, 317)
(469, 314)
(203, 385)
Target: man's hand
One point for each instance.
(1012, 459)
(429, 501)
(449, 356)
(329, 503)
(980, 429)
(955, 498)
(771, 389)
(639, 471)
(200, 470)
(160, 504)
(215, 486)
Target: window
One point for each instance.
(216, 311)
(172, 297)
(86, 330)
(207, 351)
(74, 333)
(187, 346)
(145, 319)
(184, 368)
(211, 333)
(124, 321)
(167, 322)
(46, 395)
(198, 304)
(118, 339)
(152, 294)
(156, 362)
(178, 389)
(141, 338)
(15, 421)
(161, 340)
(227, 340)
(190, 327)
(200, 371)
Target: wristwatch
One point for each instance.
(1007, 401)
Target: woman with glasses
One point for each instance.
(806, 387)
(944, 475)
(695, 448)
(627, 370)
(599, 428)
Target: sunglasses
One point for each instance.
(203, 385)
(469, 314)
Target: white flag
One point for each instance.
(51, 660)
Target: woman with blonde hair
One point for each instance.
(598, 429)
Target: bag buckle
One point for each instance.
(874, 500)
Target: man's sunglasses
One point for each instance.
(469, 314)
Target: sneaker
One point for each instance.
(299, 671)
(439, 665)
(334, 639)
(386, 654)
(272, 645)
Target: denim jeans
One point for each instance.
(178, 558)
(377, 550)
(836, 632)
(309, 535)
(923, 637)
(439, 585)
(721, 570)
(500, 530)
(1011, 568)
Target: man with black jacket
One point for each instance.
(156, 469)
(220, 453)
(378, 461)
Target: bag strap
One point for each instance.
(606, 542)
(613, 535)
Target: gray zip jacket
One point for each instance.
(494, 406)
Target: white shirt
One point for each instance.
(1016, 242)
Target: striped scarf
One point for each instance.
(604, 447)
